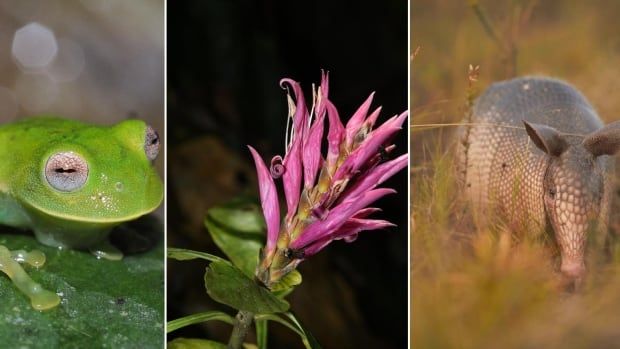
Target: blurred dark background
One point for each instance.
(225, 59)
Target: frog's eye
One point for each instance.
(66, 171)
(151, 143)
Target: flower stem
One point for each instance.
(242, 323)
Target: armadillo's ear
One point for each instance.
(546, 138)
(605, 141)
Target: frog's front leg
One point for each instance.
(40, 298)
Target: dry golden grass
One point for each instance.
(479, 288)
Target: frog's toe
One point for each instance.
(44, 299)
(40, 298)
(35, 258)
(105, 250)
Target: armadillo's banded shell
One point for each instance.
(500, 166)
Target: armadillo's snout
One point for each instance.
(573, 269)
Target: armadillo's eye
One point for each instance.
(66, 171)
(551, 192)
(151, 143)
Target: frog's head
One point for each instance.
(94, 175)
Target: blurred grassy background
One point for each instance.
(475, 288)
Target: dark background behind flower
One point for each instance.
(225, 59)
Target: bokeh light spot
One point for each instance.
(34, 46)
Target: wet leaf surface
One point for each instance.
(103, 303)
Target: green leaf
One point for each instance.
(306, 337)
(238, 230)
(184, 255)
(241, 215)
(197, 318)
(194, 343)
(310, 342)
(277, 318)
(261, 333)
(114, 304)
(228, 285)
(287, 284)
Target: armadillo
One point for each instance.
(536, 152)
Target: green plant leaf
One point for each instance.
(241, 215)
(294, 325)
(261, 333)
(238, 230)
(184, 255)
(310, 342)
(197, 318)
(194, 343)
(115, 304)
(228, 285)
(277, 318)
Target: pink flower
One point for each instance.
(327, 196)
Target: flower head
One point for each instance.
(327, 195)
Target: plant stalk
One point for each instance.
(241, 326)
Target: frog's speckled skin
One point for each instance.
(120, 185)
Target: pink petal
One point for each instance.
(355, 225)
(357, 120)
(293, 158)
(376, 176)
(365, 212)
(348, 232)
(312, 159)
(370, 121)
(337, 217)
(312, 152)
(325, 82)
(301, 111)
(370, 146)
(334, 135)
(291, 179)
(269, 200)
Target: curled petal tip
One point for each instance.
(289, 81)
(277, 169)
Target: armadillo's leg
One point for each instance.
(40, 298)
